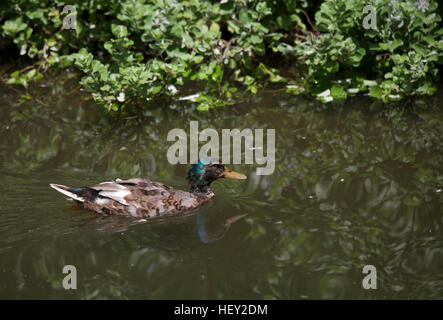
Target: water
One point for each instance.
(354, 185)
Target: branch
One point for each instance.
(310, 22)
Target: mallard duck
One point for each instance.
(142, 198)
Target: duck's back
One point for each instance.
(140, 198)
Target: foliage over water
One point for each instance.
(138, 50)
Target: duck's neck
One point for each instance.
(200, 187)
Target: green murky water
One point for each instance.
(353, 186)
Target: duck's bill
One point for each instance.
(234, 175)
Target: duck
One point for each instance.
(143, 198)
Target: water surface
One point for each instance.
(354, 185)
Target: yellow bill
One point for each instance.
(234, 175)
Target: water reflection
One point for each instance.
(206, 225)
(352, 186)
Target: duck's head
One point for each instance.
(207, 170)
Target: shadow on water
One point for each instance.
(354, 185)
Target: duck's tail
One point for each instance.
(74, 193)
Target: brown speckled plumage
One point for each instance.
(142, 198)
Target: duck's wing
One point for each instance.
(113, 190)
(145, 198)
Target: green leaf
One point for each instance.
(244, 16)
(375, 92)
(12, 27)
(119, 30)
(338, 92)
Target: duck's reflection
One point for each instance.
(207, 225)
(210, 229)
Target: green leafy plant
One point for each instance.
(137, 50)
(398, 59)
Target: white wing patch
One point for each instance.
(112, 191)
(117, 195)
(111, 183)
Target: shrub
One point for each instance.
(396, 60)
(137, 50)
